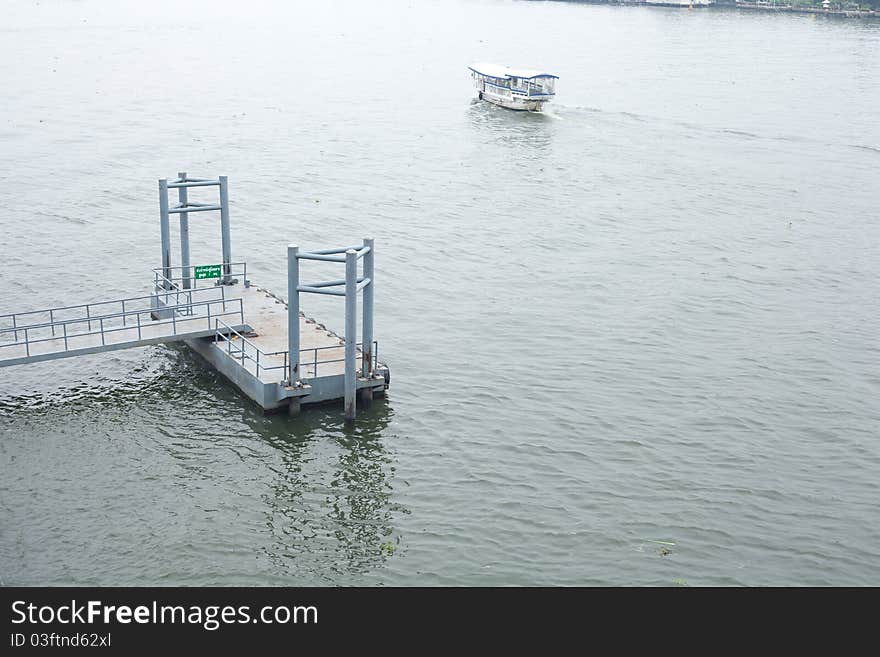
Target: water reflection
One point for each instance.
(329, 509)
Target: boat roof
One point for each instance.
(498, 71)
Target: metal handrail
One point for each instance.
(241, 353)
(243, 263)
(63, 324)
(92, 304)
(358, 346)
(159, 275)
(177, 291)
(79, 305)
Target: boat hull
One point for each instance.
(513, 102)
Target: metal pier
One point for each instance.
(65, 331)
(245, 332)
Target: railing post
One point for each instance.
(183, 197)
(165, 230)
(350, 334)
(224, 231)
(293, 374)
(367, 350)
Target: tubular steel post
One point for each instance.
(293, 374)
(165, 230)
(184, 232)
(350, 334)
(224, 229)
(367, 350)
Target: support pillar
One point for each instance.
(182, 197)
(293, 374)
(294, 406)
(165, 231)
(350, 334)
(224, 230)
(367, 350)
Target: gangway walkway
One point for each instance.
(165, 316)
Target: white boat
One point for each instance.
(516, 89)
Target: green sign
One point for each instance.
(208, 271)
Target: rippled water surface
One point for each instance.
(632, 340)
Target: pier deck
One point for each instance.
(256, 360)
(321, 350)
(275, 355)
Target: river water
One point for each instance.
(633, 340)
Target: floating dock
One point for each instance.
(245, 332)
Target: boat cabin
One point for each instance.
(520, 89)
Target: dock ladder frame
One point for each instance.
(183, 208)
(351, 284)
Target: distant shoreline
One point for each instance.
(847, 13)
(749, 6)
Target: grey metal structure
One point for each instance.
(65, 331)
(183, 208)
(269, 349)
(352, 284)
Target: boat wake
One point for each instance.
(564, 112)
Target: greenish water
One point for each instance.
(632, 340)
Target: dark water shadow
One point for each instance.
(326, 491)
(330, 510)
